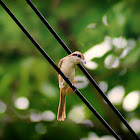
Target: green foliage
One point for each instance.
(24, 72)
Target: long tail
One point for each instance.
(61, 115)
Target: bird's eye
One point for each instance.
(79, 55)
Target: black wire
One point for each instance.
(60, 72)
(83, 69)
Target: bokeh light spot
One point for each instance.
(94, 136)
(80, 82)
(88, 123)
(22, 103)
(91, 26)
(104, 19)
(97, 51)
(77, 114)
(135, 124)
(103, 85)
(3, 107)
(48, 116)
(116, 94)
(111, 61)
(119, 42)
(35, 116)
(91, 65)
(40, 129)
(48, 90)
(131, 101)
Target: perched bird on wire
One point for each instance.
(68, 66)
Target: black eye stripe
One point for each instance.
(78, 55)
(74, 54)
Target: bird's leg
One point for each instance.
(69, 80)
(63, 84)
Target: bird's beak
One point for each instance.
(83, 61)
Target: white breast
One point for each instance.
(68, 69)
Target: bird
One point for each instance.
(68, 66)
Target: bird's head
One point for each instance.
(77, 57)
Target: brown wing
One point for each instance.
(59, 66)
(60, 63)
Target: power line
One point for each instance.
(60, 72)
(83, 69)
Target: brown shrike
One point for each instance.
(68, 66)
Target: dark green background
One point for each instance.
(23, 70)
